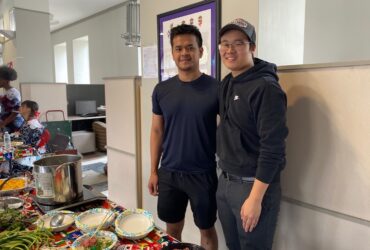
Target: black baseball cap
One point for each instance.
(241, 25)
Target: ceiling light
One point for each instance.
(132, 36)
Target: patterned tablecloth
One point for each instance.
(155, 240)
(18, 153)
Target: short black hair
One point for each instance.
(186, 29)
(31, 105)
(7, 73)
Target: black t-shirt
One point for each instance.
(189, 110)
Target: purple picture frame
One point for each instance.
(207, 15)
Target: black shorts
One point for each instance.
(175, 189)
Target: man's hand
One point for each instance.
(153, 184)
(250, 213)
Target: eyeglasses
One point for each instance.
(237, 45)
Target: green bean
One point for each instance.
(21, 240)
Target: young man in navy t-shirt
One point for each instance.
(183, 140)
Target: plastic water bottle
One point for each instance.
(7, 142)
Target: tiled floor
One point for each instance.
(93, 174)
(94, 157)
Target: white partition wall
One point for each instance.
(326, 183)
(49, 96)
(123, 140)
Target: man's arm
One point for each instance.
(9, 119)
(156, 138)
(271, 124)
(252, 206)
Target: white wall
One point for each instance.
(231, 9)
(122, 144)
(55, 99)
(38, 5)
(108, 55)
(9, 51)
(33, 46)
(303, 227)
(326, 183)
(300, 31)
(337, 34)
(281, 31)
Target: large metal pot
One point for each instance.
(58, 179)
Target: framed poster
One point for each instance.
(206, 17)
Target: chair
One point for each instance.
(100, 131)
(59, 142)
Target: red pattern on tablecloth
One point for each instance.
(155, 240)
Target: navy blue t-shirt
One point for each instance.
(189, 110)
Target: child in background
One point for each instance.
(10, 120)
(30, 133)
(31, 130)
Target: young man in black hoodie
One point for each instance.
(250, 141)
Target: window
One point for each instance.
(81, 64)
(1, 28)
(60, 62)
(1, 23)
(1, 54)
(12, 20)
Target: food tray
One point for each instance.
(13, 191)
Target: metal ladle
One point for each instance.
(57, 220)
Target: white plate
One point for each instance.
(89, 220)
(134, 224)
(69, 219)
(105, 234)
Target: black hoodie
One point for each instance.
(252, 132)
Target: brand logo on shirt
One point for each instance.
(236, 98)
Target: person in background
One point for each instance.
(31, 133)
(250, 141)
(10, 119)
(31, 130)
(183, 140)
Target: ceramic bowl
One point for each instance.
(101, 234)
(69, 219)
(134, 224)
(89, 220)
(12, 202)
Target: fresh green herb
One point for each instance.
(12, 219)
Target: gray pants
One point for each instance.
(231, 195)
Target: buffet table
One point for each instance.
(19, 152)
(155, 240)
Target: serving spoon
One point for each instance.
(57, 220)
